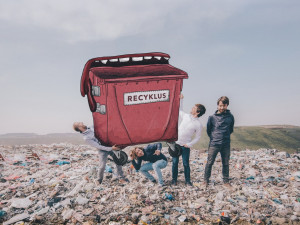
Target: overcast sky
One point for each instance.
(247, 50)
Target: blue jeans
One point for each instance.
(160, 164)
(186, 165)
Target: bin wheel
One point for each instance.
(177, 152)
(121, 160)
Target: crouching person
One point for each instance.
(156, 161)
(104, 151)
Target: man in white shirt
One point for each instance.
(104, 151)
(189, 126)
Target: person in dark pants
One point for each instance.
(190, 126)
(219, 128)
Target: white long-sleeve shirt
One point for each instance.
(89, 137)
(188, 127)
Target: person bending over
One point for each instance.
(104, 151)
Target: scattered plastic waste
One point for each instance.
(225, 219)
(277, 201)
(167, 216)
(81, 200)
(169, 196)
(16, 218)
(60, 163)
(2, 213)
(31, 181)
(12, 177)
(21, 202)
(265, 189)
(108, 169)
(179, 209)
(54, 200)
(182, 218)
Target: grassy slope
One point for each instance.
(284, 138)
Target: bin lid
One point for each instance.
(126, 67)
(135, 71)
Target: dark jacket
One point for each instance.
(149, 150)
(219, 128)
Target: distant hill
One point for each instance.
(31, 138)
(281, 137)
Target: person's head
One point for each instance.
(223, 103)
(79, 127)
(136, 152)
(198, 110)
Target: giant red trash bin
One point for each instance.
(133, 98)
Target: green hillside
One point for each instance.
(283, 138)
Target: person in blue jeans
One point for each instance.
(156, 161)
(189, 133)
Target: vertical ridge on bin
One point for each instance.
(120, 114)
(170, 110)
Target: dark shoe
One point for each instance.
(154, 181)
(114, 179)
(123, 180)
(188, 183)
(227, 185)
(205, 183)
(174, 182)
(98, 182)
(161, 185)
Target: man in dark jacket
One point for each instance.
(152, 154)
(219, 128)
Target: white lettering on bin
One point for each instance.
(142, 97)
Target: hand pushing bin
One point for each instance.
(134, 98)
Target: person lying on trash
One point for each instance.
(104, 151)
(156, 161)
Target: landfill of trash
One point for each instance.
(55, 184)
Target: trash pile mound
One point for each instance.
(55, 184)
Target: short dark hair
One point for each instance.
(224, 100)
(200, 109)
(76, 128)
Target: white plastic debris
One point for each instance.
(81, 200)
(77, 188)
(265, 186)
(16, 218)
(67, 214)
(21, 202)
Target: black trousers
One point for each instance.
(225, 155)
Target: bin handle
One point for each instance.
(85, 78)
(91, 100)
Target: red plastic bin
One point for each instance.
(134, 98)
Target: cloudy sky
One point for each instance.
(248, 50)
